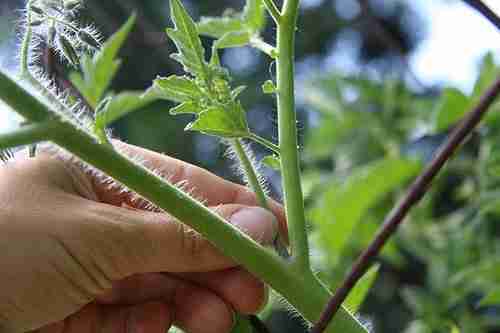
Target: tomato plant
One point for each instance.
(77, 125)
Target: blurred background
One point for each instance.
(379, 85)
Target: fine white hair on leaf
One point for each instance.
(231, 154)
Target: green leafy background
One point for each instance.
(363, 138)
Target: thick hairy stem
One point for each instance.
(303, 291)
(29, 134)
(418, 189)
(287, 123)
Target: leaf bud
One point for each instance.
(51, 35)
(37, 10)
(88, 39)
(37, 22)
(68, 51)
(71, 4)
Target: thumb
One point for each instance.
(128, 242)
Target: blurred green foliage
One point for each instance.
(364, 138)
(441, 272)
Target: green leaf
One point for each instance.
(237, 92)
(268, 87)
(99, 71)
(189, 107)
(489, 71)
(254, 15)
(234, 39)
(359, 293)
(185, 36)
(491, 298)
(343, 206)
(272, 161)
(174, 88)
(483, 273)
(451, 108)
(252, 20)
(217, 27)
(229, 122)
(121, 105)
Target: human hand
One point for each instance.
(72, 259)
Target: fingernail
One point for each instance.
(235, 320)
(257, 223)
(266, 299)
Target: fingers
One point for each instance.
(242, 290)
(125, 242)
(198, 310)
(149, 317)
(203, 184)
(195, 309)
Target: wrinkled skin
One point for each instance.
(76, 257)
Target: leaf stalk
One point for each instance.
(273, 11)
(28, 134)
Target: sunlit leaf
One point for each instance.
(217, 27)
(174, 88)
(254, 15)
(121, 105)
(189, 107)
(489, 72)
(451, 108)
(234, 39)
(237, 92)
(268, 87)
(491, 298)
(359, 293)
(227, 122)
(346, 202)
(99, 70)
(272, 161)
(185, 36)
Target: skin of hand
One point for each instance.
(76, 257)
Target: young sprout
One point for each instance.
(51, 34)
(36, 22)
(71, 4)
(88, 39)
(68, 51)
(37, 10)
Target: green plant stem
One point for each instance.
(287, 124)
(302, 289)
(25, 45)
(250, 173)
(255, 185)
(259, 44)
(28, 134)
(273, 10)
(66, 24)
(266, 143)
